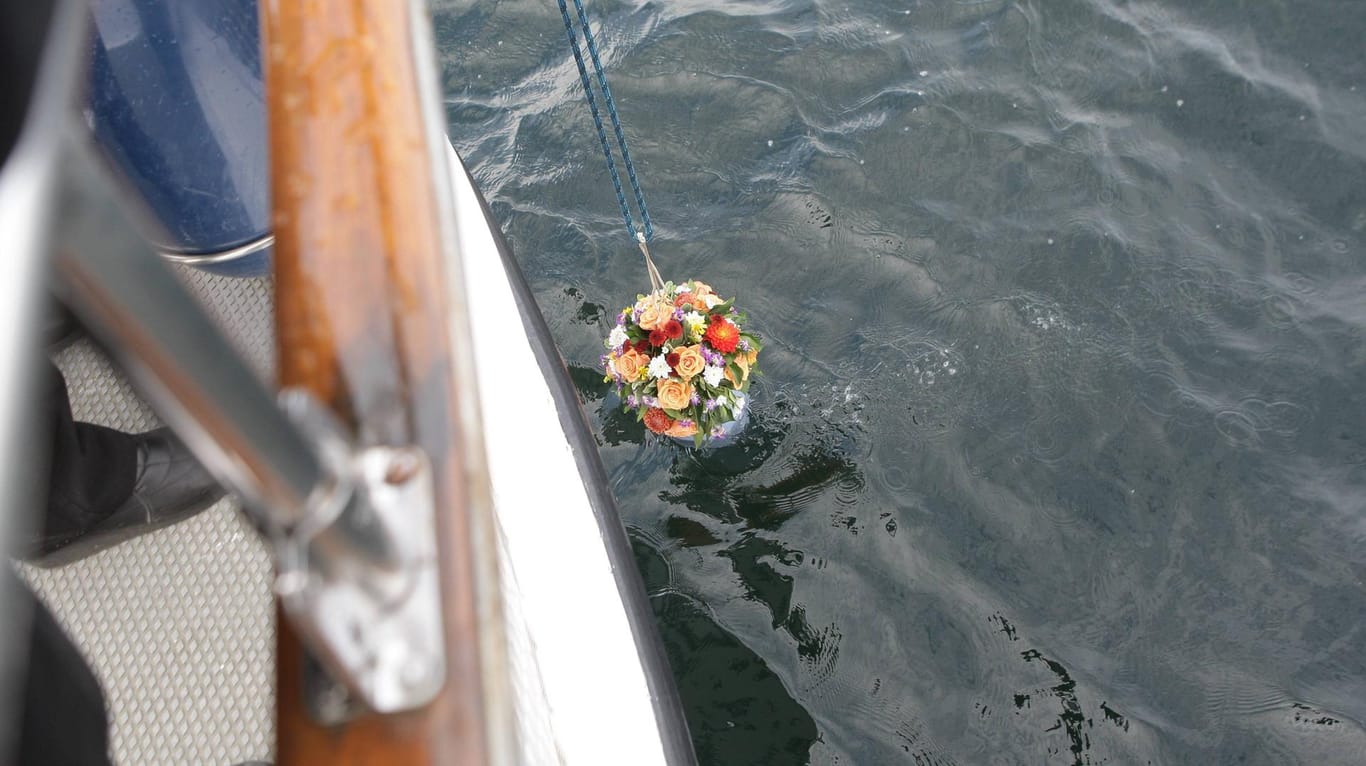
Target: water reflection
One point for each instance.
(728, 503)
(1059, 458)
(738, 710)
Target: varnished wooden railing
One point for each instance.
(363, 318)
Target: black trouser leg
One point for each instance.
(91, 474)
(63, 719)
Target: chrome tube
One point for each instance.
(126, 295)
(28, 181)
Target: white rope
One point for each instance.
(656, 282)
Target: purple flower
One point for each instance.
(711, 405)
(744, 345)
(695, 398)
(718, 431)
(678, 314)
(621, 318)
(633, 401)
(685, 423)
(712, 357)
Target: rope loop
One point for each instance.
(656, 283)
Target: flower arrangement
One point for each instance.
(681, 360)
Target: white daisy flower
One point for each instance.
(617, 337)
(659, 367)
(711, 373)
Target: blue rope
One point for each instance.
(612, 114)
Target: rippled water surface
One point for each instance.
(1061, 453)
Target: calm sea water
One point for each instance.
(1061, 453)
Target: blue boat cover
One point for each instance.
(176, 102)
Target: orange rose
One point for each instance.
(743, 360)
(628, 364)
(674, 394)
(655, 313)
(680, 430)
(704, 298)
(690, 361)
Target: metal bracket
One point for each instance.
(353, 528)
(358, 574)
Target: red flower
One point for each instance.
(657, 337)
(642, 346)
(673, 329)
(672, 359)
(722, 335)
(658, 420)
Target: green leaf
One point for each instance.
(723, 413)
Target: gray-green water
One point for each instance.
(1061, 453)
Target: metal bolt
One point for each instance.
(290, 584)
(403, 465)
(415, 670)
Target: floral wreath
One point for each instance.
(681, 360)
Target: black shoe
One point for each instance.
(60, 328)
(171, 486)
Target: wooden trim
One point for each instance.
(362, 322)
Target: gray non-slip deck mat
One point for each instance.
(179, 625)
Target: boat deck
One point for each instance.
(179, 625)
